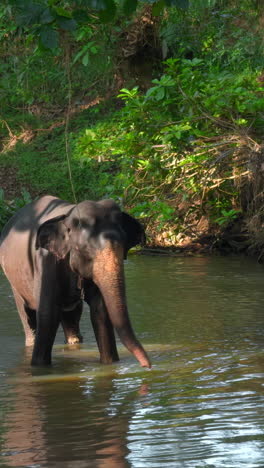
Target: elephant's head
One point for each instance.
(96, 237)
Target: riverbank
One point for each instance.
(217, 242)
(183, 225)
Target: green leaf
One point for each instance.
(150, 91)
(94, 49)
(108, 13)
(66, 23)
(30, 14)
(80, 16)
(47, 16)
(129, 6)
(160, 94)
(158, 7)
(77, 56)
(62, 12)
(48, 37)
(85, 59)
(195, 62)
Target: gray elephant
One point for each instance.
(55, 255)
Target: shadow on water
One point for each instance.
(66, 419)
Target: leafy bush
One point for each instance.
(8, 208)
(172, 154)
(161, 144)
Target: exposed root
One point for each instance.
(27, 135)
(142, 32)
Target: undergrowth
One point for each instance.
(176, 155)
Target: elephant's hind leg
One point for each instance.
(28, 319)
(70, 320)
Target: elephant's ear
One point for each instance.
(135, 233)
(53, 235)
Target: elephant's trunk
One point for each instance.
(108, 274)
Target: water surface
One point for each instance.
(201, 405)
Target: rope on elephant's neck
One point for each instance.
(67, 119)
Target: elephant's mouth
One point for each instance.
(81, 264)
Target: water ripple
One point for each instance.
(201, 405)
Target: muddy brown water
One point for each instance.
(201, 405)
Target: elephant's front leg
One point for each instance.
(47, 326)
(103, 328)
(48, 317)
(70, 320)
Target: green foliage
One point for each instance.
(34, 77)
(8, 208)
(44, 19)
(154, 147)
(226, 33)
(169, 146)
(85, 34)
(227, 216)
(158, 211)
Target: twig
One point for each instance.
(11, 134)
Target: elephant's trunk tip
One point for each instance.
(142, 358)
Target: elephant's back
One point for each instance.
(31, 216)
(19, 233)
(17, 243)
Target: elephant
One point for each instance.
(56, 255)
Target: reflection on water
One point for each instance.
(201, 405)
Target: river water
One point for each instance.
(201, 405)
